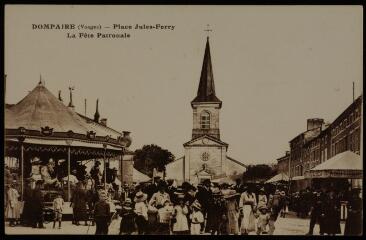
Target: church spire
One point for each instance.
(96, 114)
(206, 88)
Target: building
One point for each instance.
(283, 163)
(323, 141)
(205, 154)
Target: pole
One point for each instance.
(68, 174)
(22, 170)
(105, 169)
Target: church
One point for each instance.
(205, 154)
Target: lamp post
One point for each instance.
(68, 143)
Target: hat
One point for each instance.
(229, 193)
(216, 191)
(277, 191)
(261, 190)
(140, 197)
(196, 205)
(162, 184)
(206, 181)
(283, 193)
(262, 207)
(102, 195)
(128, 201)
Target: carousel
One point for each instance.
(51, 142)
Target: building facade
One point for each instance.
(321, 141)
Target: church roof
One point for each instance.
(206, 88)
(206, 136)
(237, 162)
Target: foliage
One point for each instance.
(258, 172)
(150, 157)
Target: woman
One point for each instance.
(180, 226)
(216, 217)
(232, 213)
(247, 205)
(127, 225)
(331, 214)
(12, 211)
(79, 204)
(141, 212)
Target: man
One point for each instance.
(102, 214)
(316, 210)
(204, 197)
(37, 205)
(96, 174)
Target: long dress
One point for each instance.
(79, 201)
(181, 224)
(232, 216)
(247, 203)
(12, 210)
(332, 216)
(354, 220)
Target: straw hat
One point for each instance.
(216, 192)
(140, 197)
(196, 205)
(229, 193)
(128, 201)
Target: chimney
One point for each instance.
(103, 121)
(314, 123)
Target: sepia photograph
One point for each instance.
(183, 120)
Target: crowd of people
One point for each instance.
(163, 208)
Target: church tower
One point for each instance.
(206, 106)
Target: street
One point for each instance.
(291, 225)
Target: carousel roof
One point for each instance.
(40, 108)
(40, 115)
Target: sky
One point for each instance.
(274, 67)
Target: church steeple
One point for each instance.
(96, 114)
(206, 88)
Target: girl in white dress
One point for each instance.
(247, 204)
(180, 227)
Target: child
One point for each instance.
(58, 205)
(197, 219)
(164, 215)
(127, 226)
(263, 220)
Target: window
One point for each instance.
(205, 120)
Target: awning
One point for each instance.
(296, 178)
(139, 176)
(343, 165)
(279, 177)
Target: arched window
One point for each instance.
(205, 120)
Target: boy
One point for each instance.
(58, 205)
(164, 215)
(263, 220)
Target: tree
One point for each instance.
(258, 172)
(150, 157)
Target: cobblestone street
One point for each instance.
(291, 225)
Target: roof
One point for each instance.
(206, 88)
(343, 161)
(40, 108)
(139, 176)
(207, 136)
(278, 177)
(236, 161)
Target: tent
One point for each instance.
(343, 165)
(279, 177)
(139, 176)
